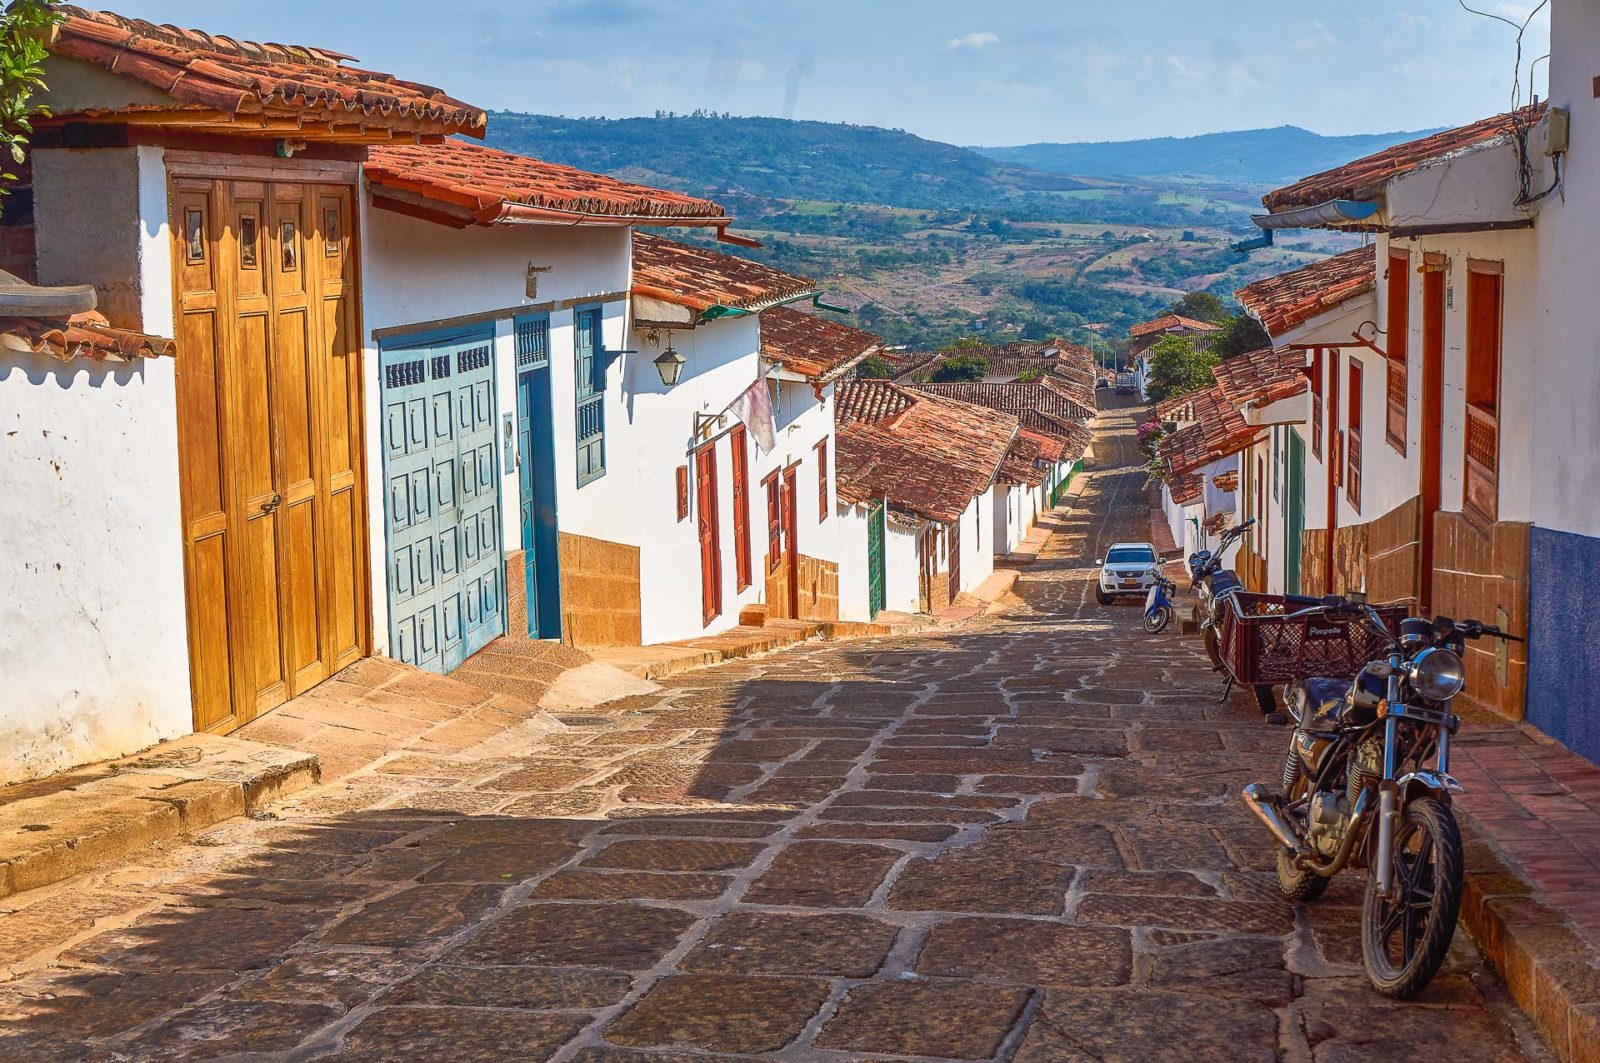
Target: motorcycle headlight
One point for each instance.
(1437, 674)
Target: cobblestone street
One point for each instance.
(1018, 839)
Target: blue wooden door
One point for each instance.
(536, 477)
(876, 533)
(1295, 517)
(442, 501)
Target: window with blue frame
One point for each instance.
(589, 382)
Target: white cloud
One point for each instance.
(1313, 38)
(973, 41)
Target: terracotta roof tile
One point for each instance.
(481, 186)
(1218, 431)
(1186, 488)
(1262, 377)
(1168, 322)
(1365, 178)
(1226, 481)
(1039, 406)
(84, 336)
(930, 457)
(245, 78)
(1291, 299)
(699, 278)
(1052, 449)
(815, 347)
(1022, 461)
(1177, 408)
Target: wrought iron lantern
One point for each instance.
(669, 363)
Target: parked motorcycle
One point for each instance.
(1213, 585)
(1367, 783)
(1158, 605)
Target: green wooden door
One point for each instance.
(1295, 515)
(877, 532)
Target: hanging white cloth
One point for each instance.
(754, 408)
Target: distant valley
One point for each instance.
(929, 242)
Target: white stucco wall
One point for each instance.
(91, 557)
(977, 539)
(850, 538)
(900, 567)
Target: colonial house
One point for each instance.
(1052, 411)
(916, 481)
(1477, 356)
(1147, 334)
(1200, 461)
(215, 562)
(1310, 528)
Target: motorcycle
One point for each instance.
(1158, 605)
(1367, 783)
(1213, 585)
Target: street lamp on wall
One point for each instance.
(669, 363)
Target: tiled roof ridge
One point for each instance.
(181, 37)
(1262, 376)
(1363, 177)
(1166, 321)
(81, 336)
(1287, 300)
(819, 348)
(700, 278)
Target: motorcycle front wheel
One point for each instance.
(1404, 939)
(1214, 647)
(1157, 622)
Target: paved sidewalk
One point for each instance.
(1017, 839)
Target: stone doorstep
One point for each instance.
(174, 789)
(1551, 971)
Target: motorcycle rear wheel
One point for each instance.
(1214, 648)
(1157, 623)
(1403, 943)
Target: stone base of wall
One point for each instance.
(1381, 556)
(1482, 572)
(600, 596)
(939, 596)
(819, 589)
(516, 594)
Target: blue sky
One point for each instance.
(1003, 72)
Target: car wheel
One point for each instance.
(1101, 596)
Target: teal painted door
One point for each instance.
(877, 532)
(442, 500)
(1295, 513)
(536, 478)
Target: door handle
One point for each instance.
(271, 505)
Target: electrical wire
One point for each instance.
(1523, 119)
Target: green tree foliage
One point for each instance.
(1241, 333)
(24, 32)
(1177, 367)
(1202, 306)
(875, 367)
(963, 367)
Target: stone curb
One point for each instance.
(194, 783)
(1551, 972)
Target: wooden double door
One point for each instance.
(269, 438)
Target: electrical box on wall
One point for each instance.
(1558, 131)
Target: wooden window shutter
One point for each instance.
(683, 492)
(1352, 484)
(1316, 403)
(741, 503)
(1485, 297)
(774, 522)
(822, 480)
(1399, 332)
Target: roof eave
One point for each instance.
(1348, 214)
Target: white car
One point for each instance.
(1127, 570)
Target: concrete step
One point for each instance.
(57, 828)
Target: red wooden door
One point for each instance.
(1432, 419)
(741, 503)
(791, 544)
(705, 485)
(1481, 481)
(1334, 465)
(955, 559)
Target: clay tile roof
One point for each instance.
(1291, 299)
(1168, 322)
(1226, 481)
(246, 78)
(1261, 377)
(83, 336)
(1176, 408)
(1021, 464)
(927, 455)
(699, 278)
(1040, 407)
(1186, 488)
(815, 347)
(485, 186)
(1052, 449)
(1218, 431)
(1365, 178)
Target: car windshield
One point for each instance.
(1131, 555)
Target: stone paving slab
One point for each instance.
(989, 842)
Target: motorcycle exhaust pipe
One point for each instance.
(1260, 801)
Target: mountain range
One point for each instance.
(1252, 156)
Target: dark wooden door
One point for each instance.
(270, 440)
(955, 559)
(738, 442)
(1433, 290)
(705, 487)
(791, 543)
